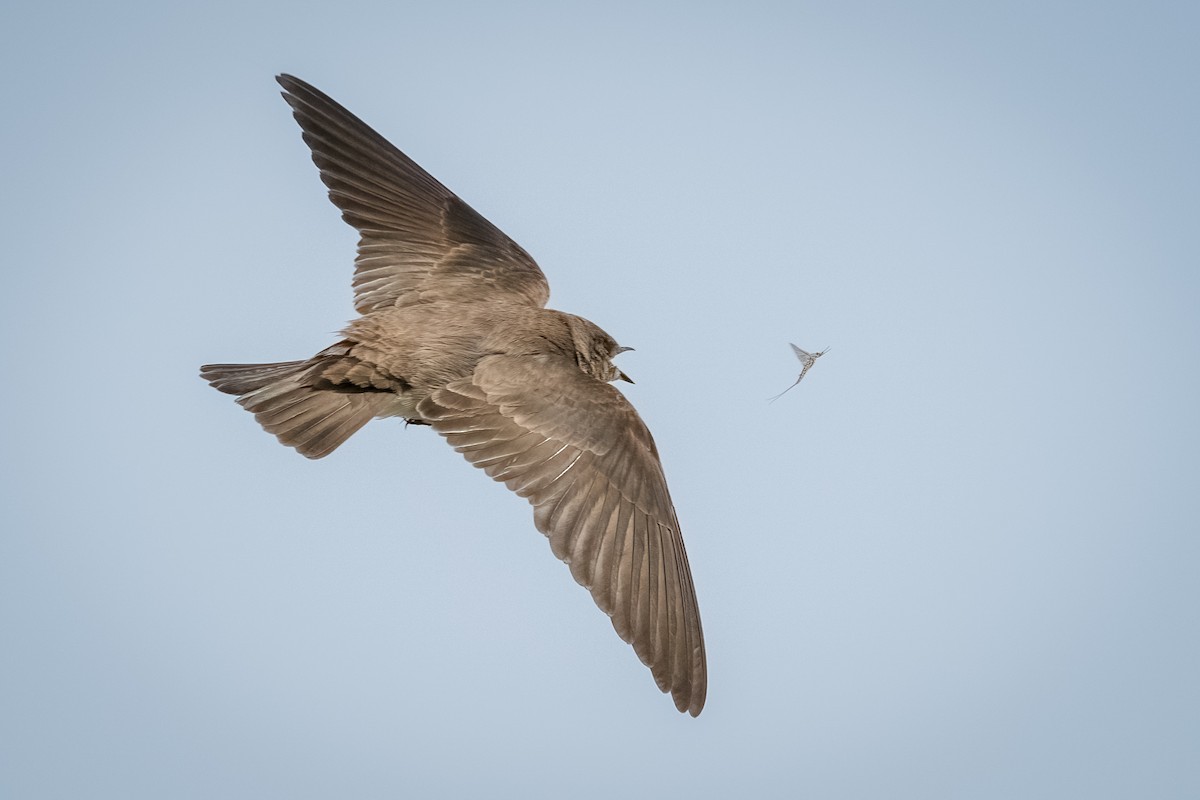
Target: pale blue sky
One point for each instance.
(959, 560)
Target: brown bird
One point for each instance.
(453, 333)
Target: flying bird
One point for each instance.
(453, 333)
(807, 359)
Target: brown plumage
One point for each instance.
(453, 333)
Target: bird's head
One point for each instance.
(595, 349)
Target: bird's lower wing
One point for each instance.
(578, 451)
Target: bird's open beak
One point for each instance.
(621, 375)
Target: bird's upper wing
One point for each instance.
(418, 240)
(579, 452)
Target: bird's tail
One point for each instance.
(291, 400)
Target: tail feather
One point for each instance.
(242, 378)
(287, 400)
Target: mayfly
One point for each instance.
(807, 359)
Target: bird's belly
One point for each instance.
(401, 405)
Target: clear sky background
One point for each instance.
(960, 560)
